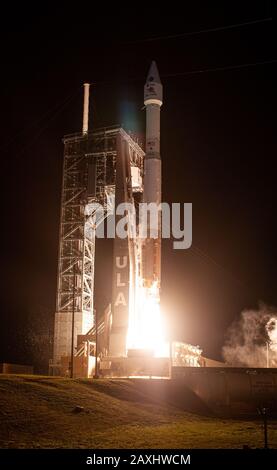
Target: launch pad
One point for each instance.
(136, 363)
(143, 363)
(137, 366)
(106, 176)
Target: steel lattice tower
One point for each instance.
(89, 179)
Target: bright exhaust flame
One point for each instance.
(146, 331)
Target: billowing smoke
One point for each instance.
(252, 339)
(271, 329)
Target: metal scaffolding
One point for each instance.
(89, 176)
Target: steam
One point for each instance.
(271, 328)
(251, 338)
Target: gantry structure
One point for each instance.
(94, 165)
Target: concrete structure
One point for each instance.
(230, 391)
(7, 368)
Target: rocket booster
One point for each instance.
(153, 96)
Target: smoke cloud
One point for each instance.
(249, 338)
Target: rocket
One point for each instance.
(153, 99)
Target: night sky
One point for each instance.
(217, 143)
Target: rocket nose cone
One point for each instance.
(153, 89)
(153, 74)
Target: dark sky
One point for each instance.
(218, 151)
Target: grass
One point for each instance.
(38, 412)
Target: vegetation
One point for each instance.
(39, 411)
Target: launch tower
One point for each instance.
(98, 167)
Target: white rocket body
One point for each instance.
(153, 95)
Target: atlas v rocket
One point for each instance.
(153, 99)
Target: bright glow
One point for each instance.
(146, 329)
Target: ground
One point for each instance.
(41, 412)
